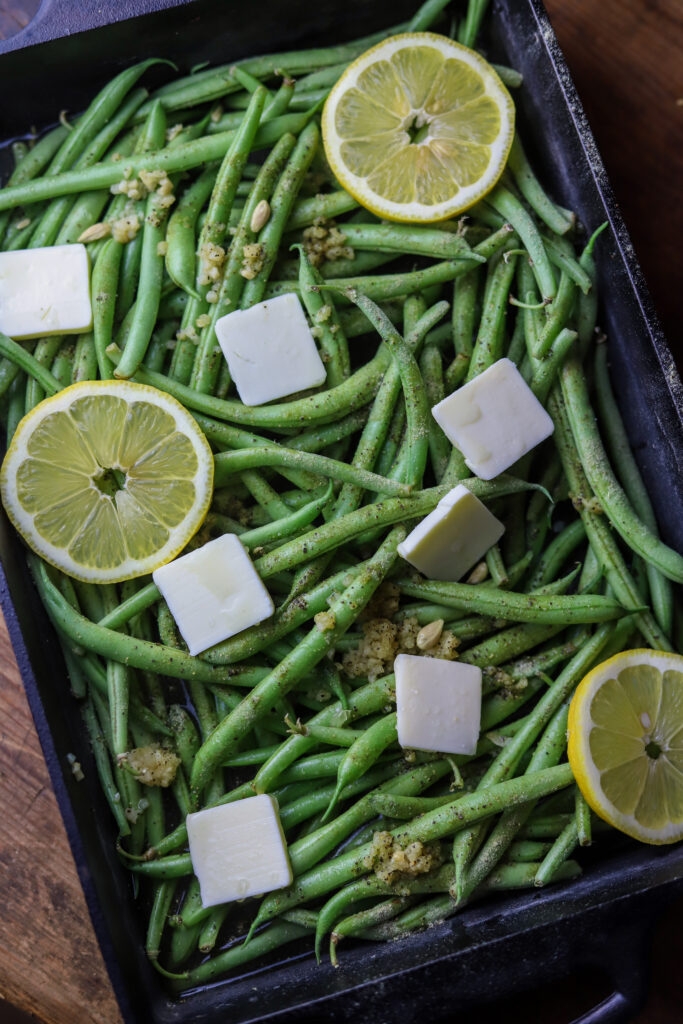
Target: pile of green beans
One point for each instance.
(321, 488)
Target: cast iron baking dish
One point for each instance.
(505, 944)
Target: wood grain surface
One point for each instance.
(625, 56)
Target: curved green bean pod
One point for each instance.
(364, 701)
(508, 604)
(180, 233)
(281, 204)
(533, 192)
(505, 203)
(228, 463)
(608, 490)
(322, 312)
(627, 470)
(362, 754)
(488, 347)
(355, 392)
(404, 238)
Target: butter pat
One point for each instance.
(453, 537)
(45, 291)
(438, 704)
(213, 592)
(270, 350)
(494, 420)
(238, 850)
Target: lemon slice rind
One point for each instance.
(465, 195)
(198, 479)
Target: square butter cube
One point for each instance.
(494, 420)
(213, 592)
(45, 291)
(453, 537)
(238, 850)
(438, 704)
(270, 350)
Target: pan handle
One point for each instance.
(626, 962)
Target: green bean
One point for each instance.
(344, 609)
(378, 422)
(488, 347)
(531, 189)
(508, 604)
(465, 292)
(22, 358)
(151, 265)
(180, 234)
(310, 849)
(561, 254)
(207, 361)
(432, 375)
(547, 754)
(469, 27)
(227, 463)
(582, 819)
(417, 409)
(629, 475)
(587, 308)
(307, 211)
(187, 739)
(387, 286)
(157, 919)
(280, 208)
(362, 754)
(321, 310)
(318, 799)
(607, 489)
(557, 553)
(558, 854)
(547, 372)
(103, 765)
(278, 934)
(505, 203)
(558, 314)
(403, 238)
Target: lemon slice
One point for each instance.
(418, 128)
(107, 480)
(626, 743)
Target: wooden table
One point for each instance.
(625, 56)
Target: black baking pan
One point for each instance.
(603, 920)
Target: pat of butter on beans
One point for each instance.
(438, 704)
(238, 850)
(448, 542)
(270, 350)
(494, 420)
(213, 592)
(45, 291)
